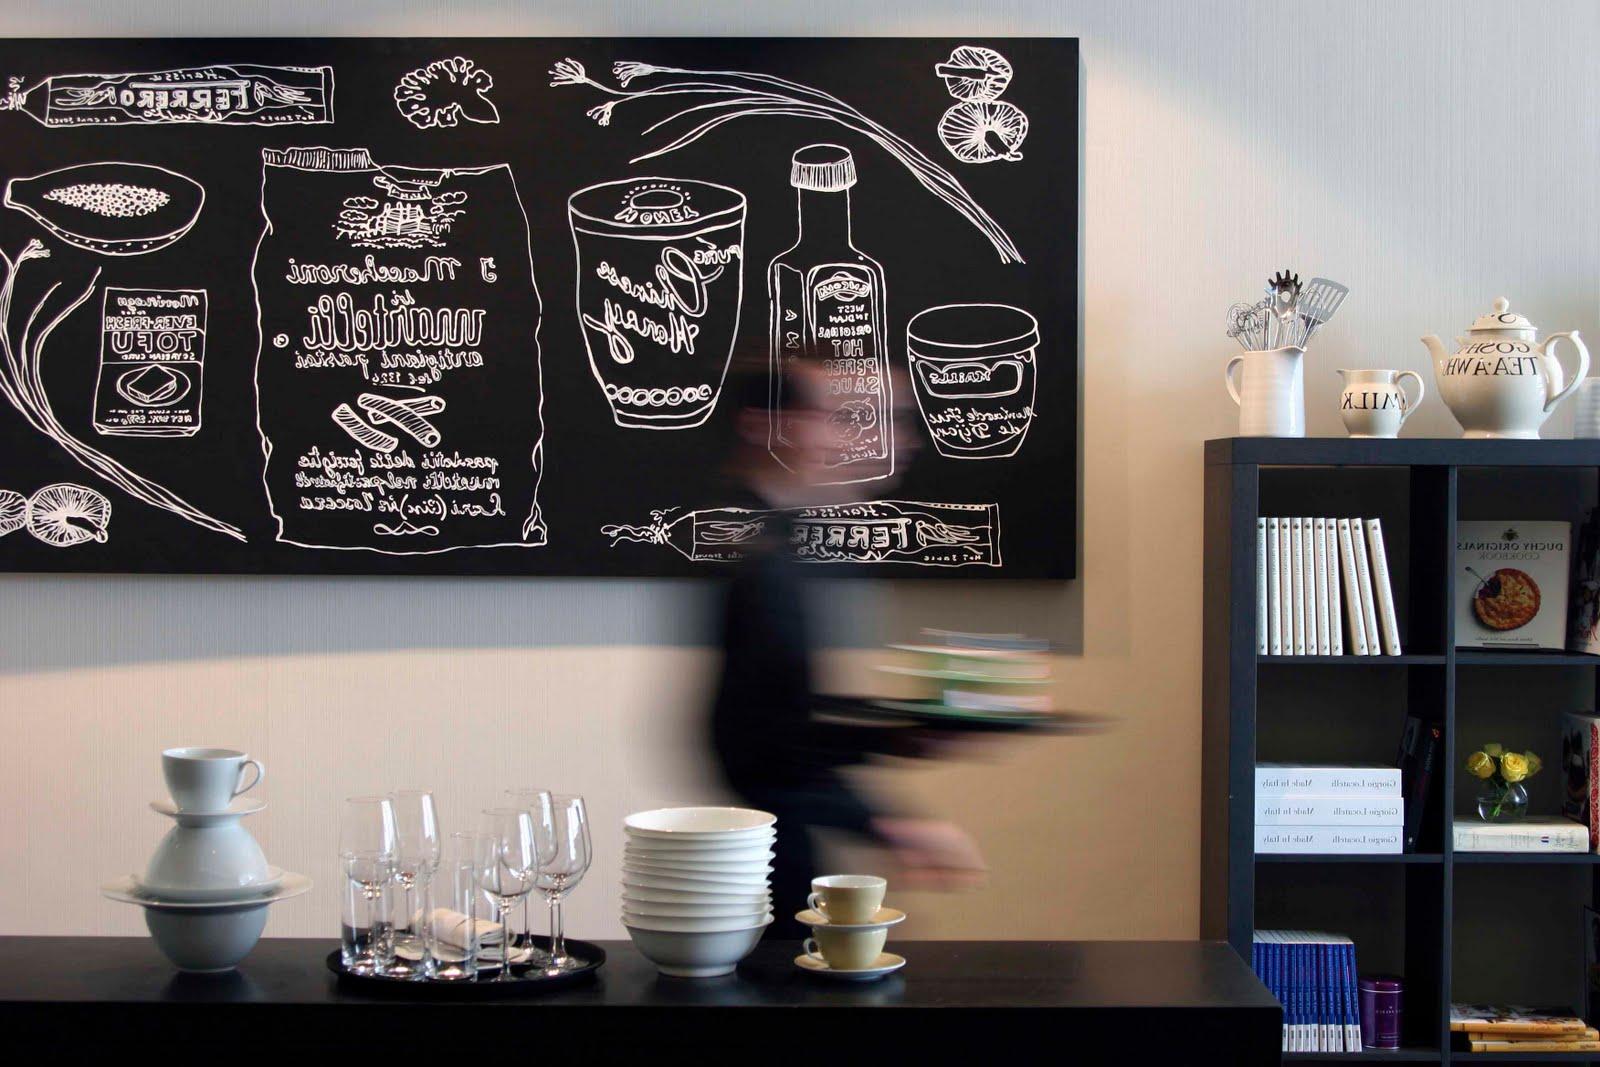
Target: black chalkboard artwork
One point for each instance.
(468, 306)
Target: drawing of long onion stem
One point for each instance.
(741, 94)
(22, 384)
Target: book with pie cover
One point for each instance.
(1507, 1019)
(1511, 584)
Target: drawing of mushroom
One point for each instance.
(13, 511)
(974, 73)
(982, 131)
(65, 514)
(445, 92)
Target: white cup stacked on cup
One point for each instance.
(206, 888)
(849, 926)
(696, 886)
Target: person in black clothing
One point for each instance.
(772, 750)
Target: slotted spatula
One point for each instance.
(1318, 301)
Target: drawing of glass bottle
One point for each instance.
(827, 308)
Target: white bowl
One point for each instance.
(681, 823)
(752, 909)
(739, 861)
(744, 891)
(206, 940)
(222, 856)
(703, 925)
(744, 839)
(712, 879)
(679, 896)
(696, 955)
(650, 852)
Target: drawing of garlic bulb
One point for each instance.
(445, 92)
(982, 131)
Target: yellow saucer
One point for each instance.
(881, 917)
(886, 963)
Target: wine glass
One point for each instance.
(570, 854)
(536, 802)
(368, 845)
(508, 866)
(416, 859)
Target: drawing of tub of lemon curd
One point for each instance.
(660, 279)
(974, 372)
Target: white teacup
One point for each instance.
(207, 779)
(847, 898)
(844, 949)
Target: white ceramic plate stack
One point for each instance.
(696, 886)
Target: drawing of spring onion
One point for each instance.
(22, 384)
(741, 94)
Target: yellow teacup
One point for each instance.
(844, 949)
(847, 898)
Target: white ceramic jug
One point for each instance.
(1271, 393)
(1372, 403)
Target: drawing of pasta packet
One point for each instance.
(660, 281)
(874, 531)
(408, 414)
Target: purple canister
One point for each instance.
(1382, 1001)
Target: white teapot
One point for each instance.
(1502, 382)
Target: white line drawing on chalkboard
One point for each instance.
(983, 131)
(974, 374)
(115, 209)
(64, 514)
(13, 511)
(154, 386)
(22, 384)
(445, 92)
(152, 351)
(907, 532)
(240, 94)
(404, 415)
(975, 73)
(740, 94)
(411, 215)
(364, 433)
(659, 291)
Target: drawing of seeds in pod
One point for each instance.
(114, 209)
(13, 511)
(982, 131)
(63, 515)
(974, 73)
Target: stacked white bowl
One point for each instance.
(696, 888)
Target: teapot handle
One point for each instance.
(1549, 349)
(1411, 405)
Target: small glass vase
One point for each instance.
(1502, 803)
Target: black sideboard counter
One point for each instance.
(1087, 1001)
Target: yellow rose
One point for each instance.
(1480, 765)
(1494, 748)
(1535, 764)
(1514, 767)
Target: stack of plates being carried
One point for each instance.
(696, 889)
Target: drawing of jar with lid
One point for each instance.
(660, 277)
(973, 370)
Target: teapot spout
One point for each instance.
(1437, 350)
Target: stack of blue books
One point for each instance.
(1313, 975)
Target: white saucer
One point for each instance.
(886, 963)
(881, 917)
(233, 894)
(126, 890)
(241, 807)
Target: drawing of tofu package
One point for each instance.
(152, 351)
(660, 279)
(398, 373)
(974, 372)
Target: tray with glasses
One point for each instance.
(526, 979)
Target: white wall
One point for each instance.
(1432, 155)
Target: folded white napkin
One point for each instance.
(450, 928)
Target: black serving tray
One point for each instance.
(934, 714)
(487, 985)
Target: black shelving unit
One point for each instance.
(1472, 927)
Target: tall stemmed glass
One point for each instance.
(368, 847)
(571, 853)
(508, 866)
(417, 857)
(536, 802)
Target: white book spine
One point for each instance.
(1537, 836)
(1369, 603)
(1274, 591)
(1298, 585)
(1311, 809)
(1286, 589)
(1388, 627)
(1287, 779)
(1319, 551)
(1352, 590)
(1335, 604)
(1261, 587)
(1338, 840)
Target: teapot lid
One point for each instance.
(1502, 318)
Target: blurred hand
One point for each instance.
(932, 854)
